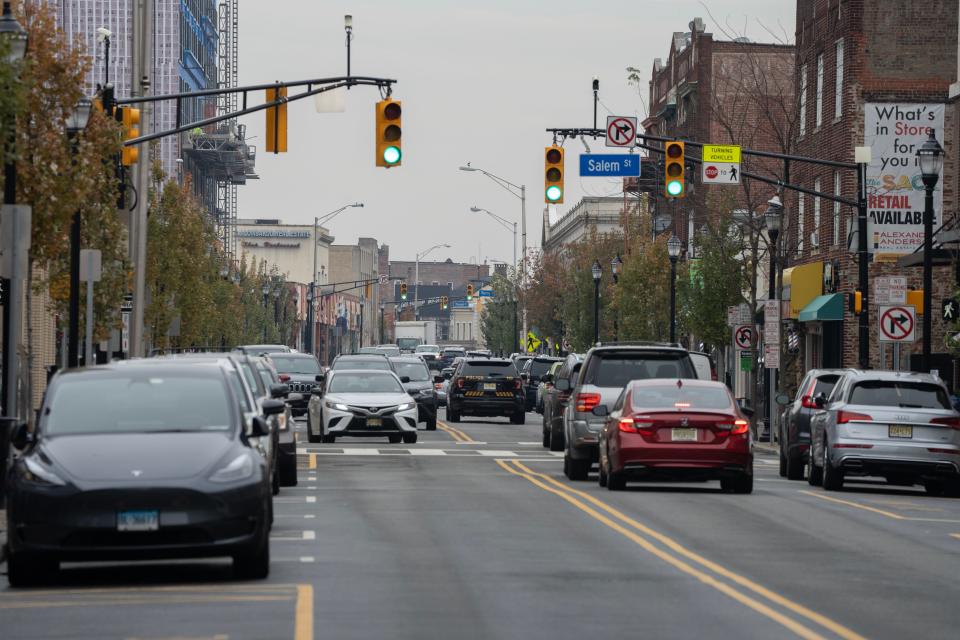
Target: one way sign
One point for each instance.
(951, 310)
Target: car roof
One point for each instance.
(410, 359)
(292, 355)
(905, 376)
(146, 366)
(360, 356)
(364, 372)
(483, 361)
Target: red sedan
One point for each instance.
(676, 430)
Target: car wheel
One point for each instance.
(328, 438)
(453, 415)
(518, 418)
(576, 469)
(934, 487)
(288, 471)
(546, 437)
(432, 424)
(832, 477)
(275, 480)
(814, 473)
(615, 481)
(310, 435)
(602, 475)
(794, 467)
(253, 565)
(739, 484)
(409, 438)
(556, 441)
(26, 569)
(395, 439)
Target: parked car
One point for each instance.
(606, 369)
(546, 382)
(116, 446)
(418, 381)
(532, 371)
(299, 371)
(555, 401)
(486, 387)
(286, 439)
(675, 430)
(892, 424)
(795, 421)
(443, 387)
(364, 403)
(260, 349)
(449, 353)
(703, 364)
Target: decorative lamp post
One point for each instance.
(616, 267)
(76, 123)
(673, 251)
(930, 157)
(773, 219)
(596, 271)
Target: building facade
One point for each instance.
(353, 287)
(604, 214)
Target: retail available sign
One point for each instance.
(895, 192)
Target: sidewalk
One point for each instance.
(767, 447)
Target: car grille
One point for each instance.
(108, 538)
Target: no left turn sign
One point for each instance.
(897, 323)
(621, 131)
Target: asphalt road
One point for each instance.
(474, 533)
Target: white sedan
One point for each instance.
(364, 404)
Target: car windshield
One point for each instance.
(427, 348)
(616, 369)
(488, 368)
(899, 393)
(388, 349)
(364, 383)
(138, 404)
(539, 367)
(416, 371)
(285, 364)
(674, 396)
(372, 364)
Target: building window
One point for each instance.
(836, 208)
(819, 90)
(800, 224)
(838, 86)
(815, 236)
(803, 100)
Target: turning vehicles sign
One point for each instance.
(897, 323)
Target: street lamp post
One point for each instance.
(416, 278)
(616, 267)
(596, 271)
(930, 156)
(76, 122)
(773, 219)
(673, 251)
(311, 348)
(509, 226)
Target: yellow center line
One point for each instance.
(449, 432)
(856, 505)
(313, 461)
(743, 581)
(303, 621)
(457, 434)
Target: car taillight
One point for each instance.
(438, 386)
(517, 384)
(284, 377)
(627, 426)
(587, 401)
(807, 402)
(953, 422)
(459, 383)
(735, 428)
(844, 417)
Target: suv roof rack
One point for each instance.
(640, 343)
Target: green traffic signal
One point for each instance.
(391, 155)
(554, 193)
(674, 187)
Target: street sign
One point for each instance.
(460, 304)
(721, 164)
(609, 165)
(746, 314)
(486, 293)
(771, 356)
(384, 277)
(621, 131)
(533, 343)
(746, 361)
(950, 310)
(743, 336)
(897, 323)
(890, 290)
(733, 316)
(90, 265)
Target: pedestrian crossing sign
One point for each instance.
(533, 343)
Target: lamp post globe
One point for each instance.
(13, 34)
(616, 268)
(673, 248)
(930, 159)
(596, 271)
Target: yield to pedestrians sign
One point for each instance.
(621, 131)
(721, 164)
(533, 342)
(743, 336)
(897, 323)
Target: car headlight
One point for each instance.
(37, 473)
(240, 468)
(337, 406)
(406, 406)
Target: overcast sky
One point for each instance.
(479, 81)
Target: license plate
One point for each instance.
(489, 386)
(900, 431)
(374, 422)
(683, 435)
(138, 520)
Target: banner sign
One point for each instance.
(895, 192)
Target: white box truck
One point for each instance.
(412, 333)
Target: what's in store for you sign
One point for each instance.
(895, 191)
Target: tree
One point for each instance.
(498, 323)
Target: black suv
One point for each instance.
(418, 382)
(486, 387)
(795, 421)
(299, 371)
(533, 371)
(555, 400)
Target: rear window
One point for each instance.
(896, 393)
(673, 396)
(416, 371)
(454, 352)
(540, 367)
(295, 365)
(616, 369)
(488, 369)
(372, 364)
(825, 385)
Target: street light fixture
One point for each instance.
(597, 272)
(773, 219)
(673, 251)
(506, 224)
(78, 118)
(13, 34)
(416, 277)
(930, 157)
(76, 122)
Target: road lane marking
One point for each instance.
(457, 434)
(303, 618)
(565, 492)
(955, 535)
(497, 454)
(856, 505)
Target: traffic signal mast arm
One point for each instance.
(326, 84)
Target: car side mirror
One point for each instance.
(448, 375)
(404, 379)
(562, 384)
(547, 378)
(273, 407)
(279, 390)
(319, 377)
(259, 427)
(294, 397)
(413, 392)
(820, 400)
(601, 411)
(783, 399)
(438, 379)
(21, 437)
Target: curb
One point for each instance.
(766, 447)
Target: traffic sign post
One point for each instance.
(612, 165)
(621, 131)
(890, 290)
(743, 336)
(897, 323)
(721, 164)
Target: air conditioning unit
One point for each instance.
(814, 240)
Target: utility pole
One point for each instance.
(523, 233)
(142, 66)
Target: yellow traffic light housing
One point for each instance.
(389, 133)
(129, 117)
(856, 303)
(553, 174)
(403, 290)
(277, 121)
(673, 169)
(444, 301)
(469, 292)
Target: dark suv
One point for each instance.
(418, 382)
(606, 370)
(299, 371)
(533, 370)
(555, 401)
(486, 387)
(795, 421)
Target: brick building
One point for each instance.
(875, 74)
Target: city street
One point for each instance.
(473, 532)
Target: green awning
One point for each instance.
(823, 308)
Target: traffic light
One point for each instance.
(553, 175)
(856, 302)
(469, 292)
(277, 121)
(444, 302)
(129, 117)
(389, 132)
(403, 290)
(673, 169)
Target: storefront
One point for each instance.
(817, 311)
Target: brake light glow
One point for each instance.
(517, 384)
(953, 422)
(740, 427)
(682, 405)
(459, 383)
(587, 401)
(807, 402)
(844, 417)
(627, 426)
(284, 377)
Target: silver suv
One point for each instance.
(892, 424)
(606, 370)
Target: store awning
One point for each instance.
(801, 285)
(823, 309)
